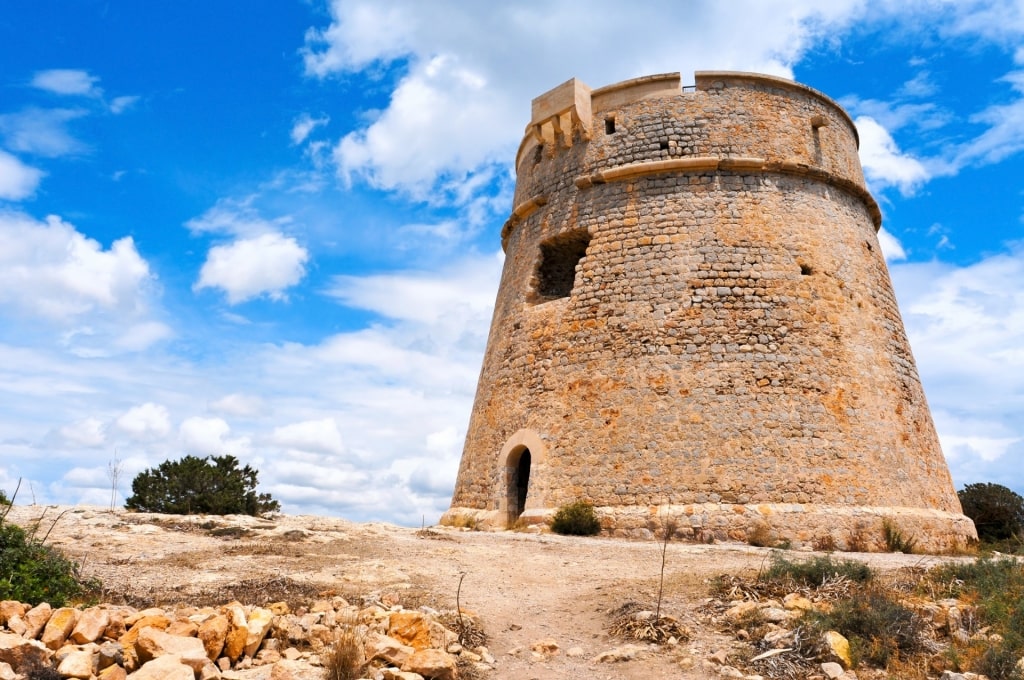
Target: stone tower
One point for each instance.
(695, 320)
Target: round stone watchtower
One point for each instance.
(695, 320)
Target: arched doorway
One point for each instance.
(518, 483)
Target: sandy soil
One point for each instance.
(524, 587)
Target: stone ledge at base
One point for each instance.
(820, 527)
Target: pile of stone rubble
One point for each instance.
(113, 642)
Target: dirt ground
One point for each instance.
(524, 587)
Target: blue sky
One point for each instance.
(270, 229)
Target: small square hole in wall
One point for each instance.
(556, 270)
(663, 145)
(609, 125)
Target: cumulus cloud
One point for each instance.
(891, 246)
(236, 217)
(88, 432)
(67, 81)
(48, 269)
(239, 404)
(17, 180)
(304, 125)
(884, 163)
(145, 421)
(209, 437)
(319, 436)
(248, 268)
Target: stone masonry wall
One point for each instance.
(731, 339)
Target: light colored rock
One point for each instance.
(16, 624)
(9, 608)
(209, 672)
(837, 648)
(742, 610)
(113, 673)
(182, 628)
(832, 670)
(431, 663)
(291, 670)
(257, 624)
(91, 625)
(59, 627)
(6, 672)
(621, 653)
(388, 649)
(798, 602)
(139, 624)
(154, 643)
(546, 647)
(776, 614)
(213, 632)
(18, 651)
(36, 618)
(395, 674)
(77, 664)
(238, 631)
(416, 630)
(168, 667)
(109, 654)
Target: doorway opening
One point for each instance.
(518, 483)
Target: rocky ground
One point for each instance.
(541, 598)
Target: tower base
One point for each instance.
(793, 525)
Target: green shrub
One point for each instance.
(815, 572)
(576, 519)
(878, 627)
(32, 572)
(895, 540)
(214, 485)
(997, 512)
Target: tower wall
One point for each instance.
(695, 319)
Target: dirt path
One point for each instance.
(525, 588)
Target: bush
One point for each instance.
(814, 573)
(213, 485)
(576, 519)
(32, 572)
(878, 627)
(997, 511)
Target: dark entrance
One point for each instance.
(519, 484)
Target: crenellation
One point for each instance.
(695, 316)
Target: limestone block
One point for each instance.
(257, 625)
(213, 632)
(838, 648)
(91, 625)
(384, 648)
(9, 608)
(432, 663)
(77, 664)
(60, 625)
(154, 643)
(168, 667)
(18, 652)
(36, 619)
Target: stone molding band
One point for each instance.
(693, 164)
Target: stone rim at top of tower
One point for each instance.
(569, 108)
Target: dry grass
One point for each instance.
(343, 658)
(635, 621)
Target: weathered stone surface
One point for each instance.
(621, 653)
(9, 608)
(113, 673)
(257, 624)
(154, 643)
(6, 672)
(167, 667)
(213, 632)
(91, 625)
(838, 648)
(238, 632)
(387, 649)
(548, 647)
(395, 674)
(832, 670)
(60, 625)
(36, 618)
(433, 664)
(676, 259)
(415, 630)
(77, 664)
(109, 654)
(17, 651)
(139, 624)
(289, 670)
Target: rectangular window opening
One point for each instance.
(609, 125)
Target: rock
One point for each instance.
(384, 648)
(837, 648)
(730, 672)
(574, 652)
(485, 654)
(154, 644)
(798, 602)
(395, 674)
(213, 632)
(432, 664)
(77, 664)
(16, 624)
(290, 670)
(209, 672)
(59, 627)
(238, 631)
(168, 667)
(113, 673)
(182, 628)
(6, 672)
(832, 670)
(619, 654)
(91, 625)
(36, 619)
(742, 610)
(116, 628)
(257, 625)
(719, 658)
(139, 624)
(19, 652)
(546, 647)
(776, 614)
(109, 654)
(9, 608)
(416, 630)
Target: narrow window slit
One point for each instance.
(609, 125)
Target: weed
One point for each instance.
(634, 621)
(815, 572)
(460, 521)
(229, 532)
(576, 519)
(343, 658)
(760, 535)
(895, 541)
(858, 540)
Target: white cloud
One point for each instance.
(17, 180)
(89, 432)
(884, 163)
(238, 404)
(891, 246)
(203, 437)
(66, 81)
(251, 267)
(1004, 133)
(141, 336)
(50, 270)
(145, 421)
(234, 217)
(319, 436)
(119, 105)
(41, 131)
(304, 125)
